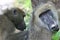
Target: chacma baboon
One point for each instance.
(11, 19)
(44, 22)
(16, 15)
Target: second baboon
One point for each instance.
(11, 20)
(16, 15)
(44, 22)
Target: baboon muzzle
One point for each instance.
(48, 18)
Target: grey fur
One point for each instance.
(38, 30)
(8, 29)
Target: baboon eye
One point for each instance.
(14, 12)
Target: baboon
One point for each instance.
(11, 20)
(16, 15)
(44, 22)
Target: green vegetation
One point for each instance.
(56, 36)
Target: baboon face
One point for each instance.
(17, 17)
(48, 19)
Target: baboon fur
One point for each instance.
(38, 31)
(16, 16)
(8, 29)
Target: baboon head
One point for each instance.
(46, 16)
(16, 16)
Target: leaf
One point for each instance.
(56, 36)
